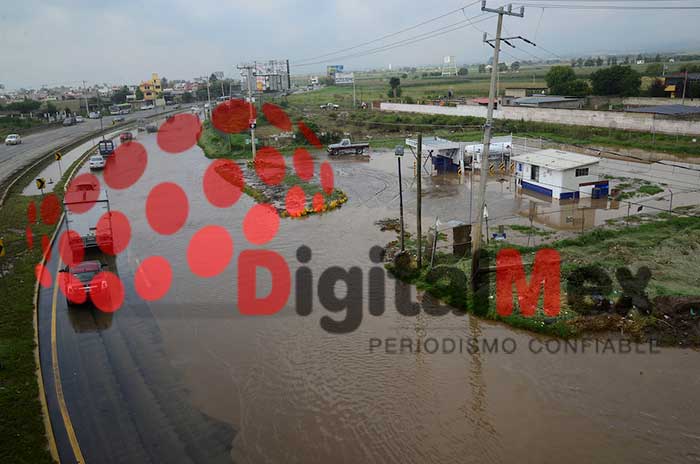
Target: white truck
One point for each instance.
(329, 106)
(346, 146)
(84, 223)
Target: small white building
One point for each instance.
(560, 174)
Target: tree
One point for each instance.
(187, 97)
(693, 90)
(395, 87)
(51, 108)
(119, 96)
(573, 62)
(515, 66)
(502, 67)
(482, 68)
(616, 80)
(599, 61)
(577, 88)
(589, 62)
(558, 78)
(657, 88)
(163, 83)
(138, 94)
(657, 58)
(213, 78)
(462, 72)
(613, 61)
(25, 106)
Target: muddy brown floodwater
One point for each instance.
(298, 394)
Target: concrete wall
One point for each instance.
(607, 119)
(649, 101)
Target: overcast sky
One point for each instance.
(63, 42)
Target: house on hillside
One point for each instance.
(560, 174)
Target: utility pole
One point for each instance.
(483, 169)
(354, 99)
(685, 84)
(419, 231)
(208, 99)
(87, 107)
(251, 120)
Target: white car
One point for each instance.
(13, 139)
(97, 162)
(94, 115)
(147, 107)
(79, 119)
(194, 109)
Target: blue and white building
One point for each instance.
(560, 174)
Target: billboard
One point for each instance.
(269, 76)
(333, 69)
(344, 78)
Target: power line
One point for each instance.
(390, 35)
(610, 7)
(418, 38)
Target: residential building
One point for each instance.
(151, 88)
(676, 82)
(559, 174)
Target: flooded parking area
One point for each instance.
(295, 392)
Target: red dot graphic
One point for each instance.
(153, 278)
(295, 200)
(42, 275)
(72, 288)
(318, 202)
(327, 177)
(126, 165)
(210, 250)
(233, 116)
(167, 208)
(303, 164)
(31, 213)
(108, 294)
(70, 247)
(113, 232)
(276, 116)
(50, 209)
(309, 134)
(223, 183)
(261, 224)
(46, 247)
(179, 133)
(82, 192)
(269, 165)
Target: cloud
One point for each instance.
(53, 42)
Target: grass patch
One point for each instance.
(217, 144)
(650, 189)
(528, 230)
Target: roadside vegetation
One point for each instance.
(666, 245)
(22, 428)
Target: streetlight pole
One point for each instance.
(419, 229)
(398, 151)
(483, 168)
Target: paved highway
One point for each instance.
(14, 157)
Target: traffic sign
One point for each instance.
(492, 169)
(502, 167)
(2, 248)
(40, 183)
(252, 123)
(58, 156)
(512, 167)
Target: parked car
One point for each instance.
(13, 139)
(147, 107)
(97, 162)
(118, 119)
(126, 137)
(152, 127)
(82, 281)
(194, 109)
(94, 115)
(69, 121)
(79, 119)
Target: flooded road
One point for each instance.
(295, 393)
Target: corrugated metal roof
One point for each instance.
(535, 100)
(556, 159)
(668, 110)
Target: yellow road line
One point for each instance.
(57, 377)
(40, 378)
